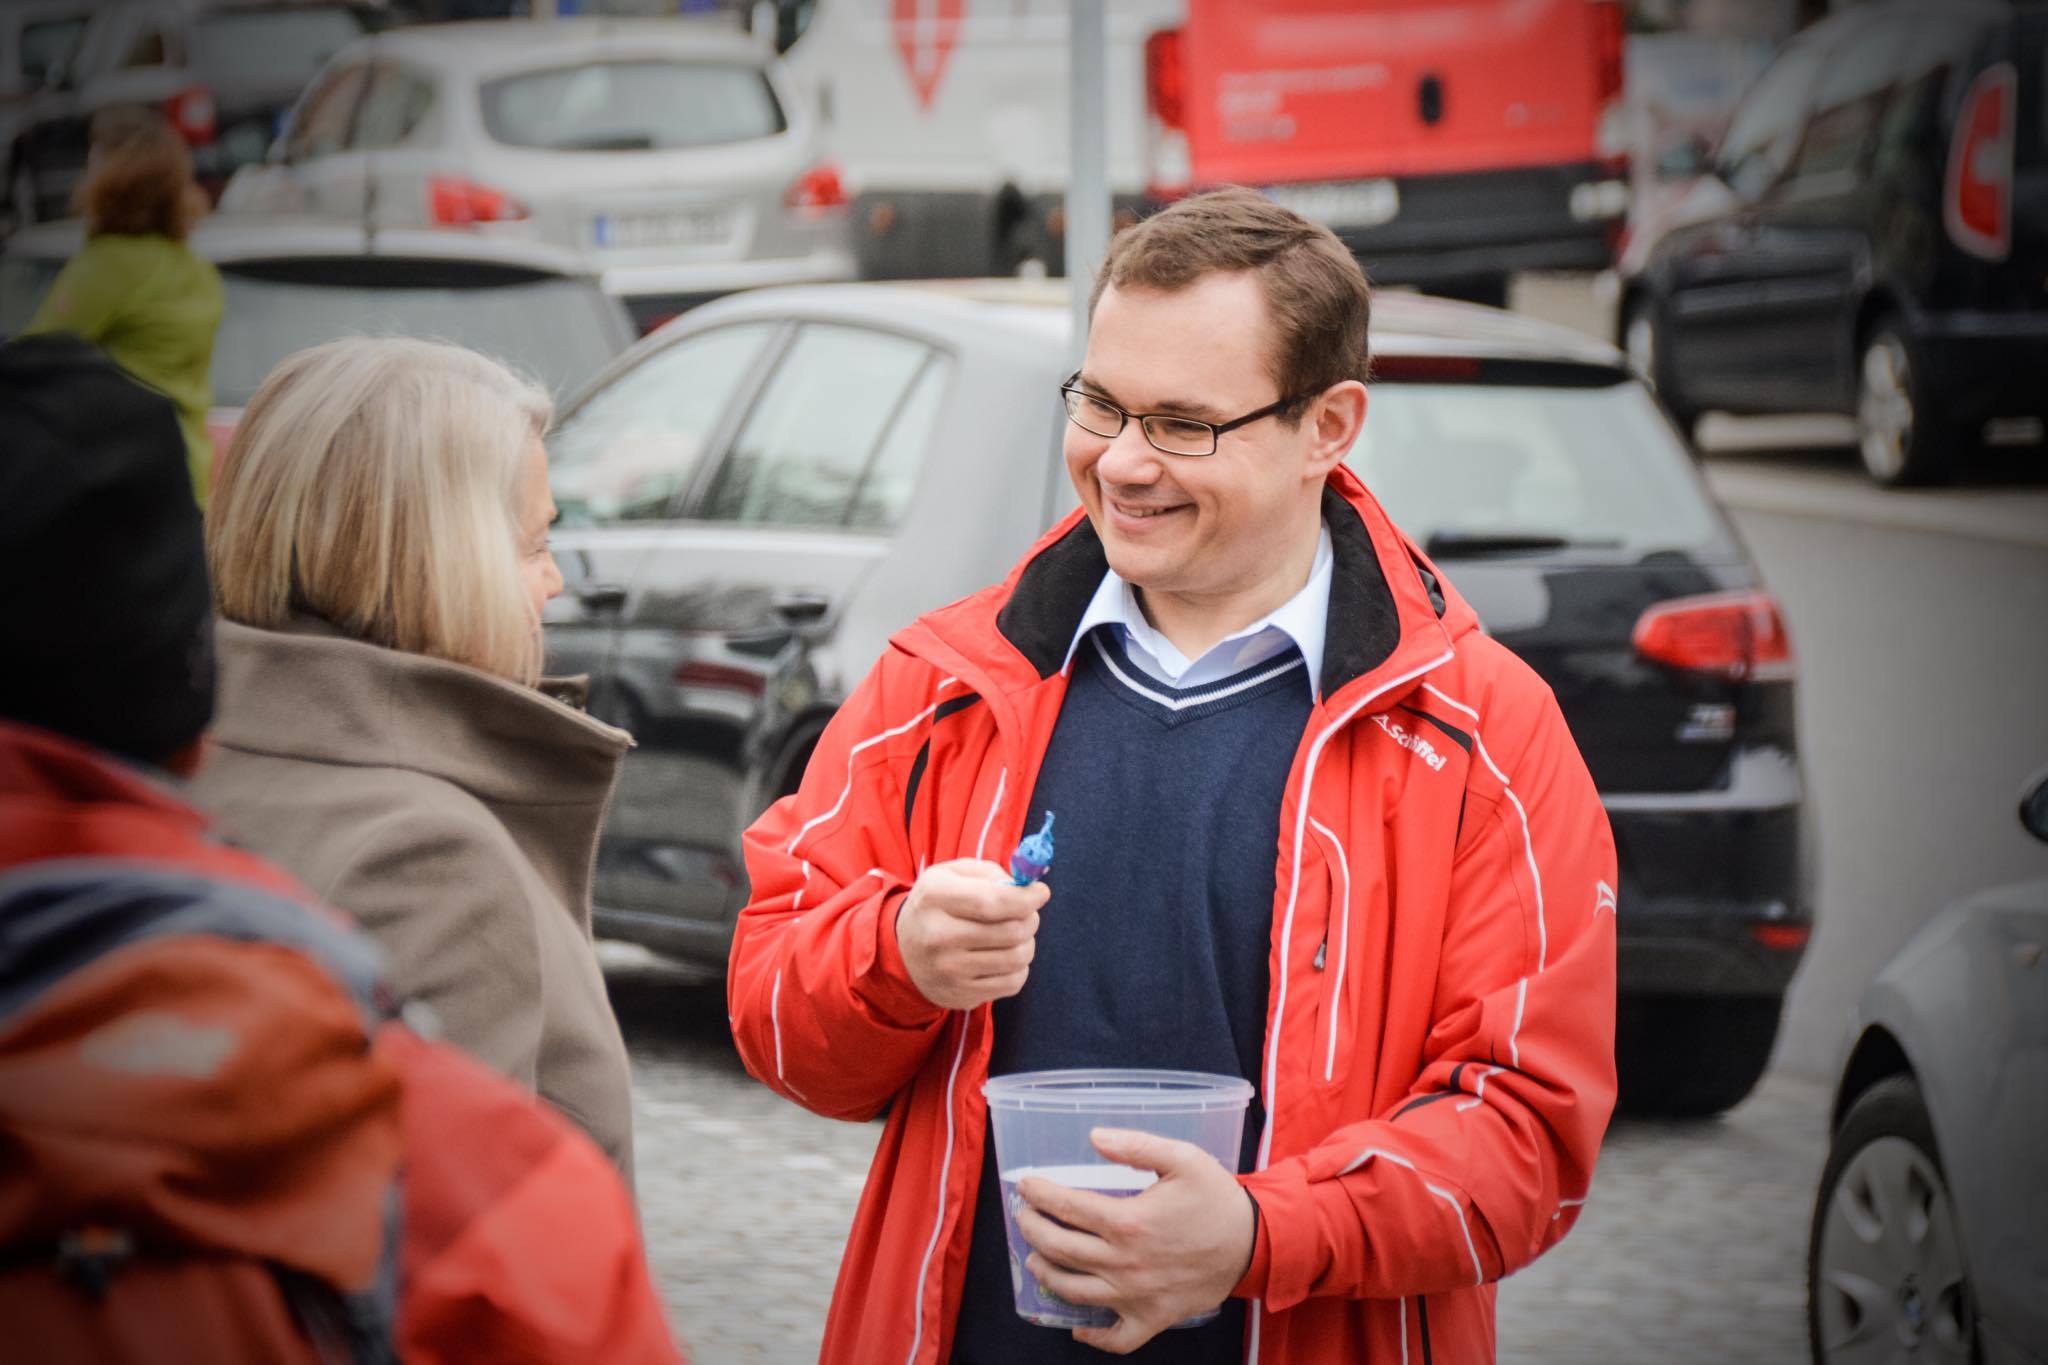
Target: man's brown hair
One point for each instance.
(140, 182)
(1318, 296)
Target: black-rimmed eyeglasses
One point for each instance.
(1175, 435)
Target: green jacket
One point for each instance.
(152, 305)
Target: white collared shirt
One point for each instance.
(1300, 621)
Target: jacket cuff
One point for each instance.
(1252, 1284)
(888, 986)
(1289, 1255)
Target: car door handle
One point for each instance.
(800, 608)
(602, 596)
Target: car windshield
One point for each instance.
(632, 106)
(1531, 467)
(288, 46)
(264, 320)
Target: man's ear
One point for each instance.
(1334, 421)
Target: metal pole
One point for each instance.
(1087, 235)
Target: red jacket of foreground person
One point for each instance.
(516, 1239)
(1438, 1063)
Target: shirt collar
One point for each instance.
(1303, 618)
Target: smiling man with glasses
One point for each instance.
(1316, 830)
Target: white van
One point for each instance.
(949, 121)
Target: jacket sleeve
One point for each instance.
(823, 1009)
(443, 895)
(520, 1241)
(1484, 1163)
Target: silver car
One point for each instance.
(1930, 1232)
(673, 155)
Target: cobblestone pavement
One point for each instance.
(1691, 1249)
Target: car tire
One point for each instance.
(1490, 291)
(1692, 1057)
(1902, 434)
(1884, 1267)
(1642, 340)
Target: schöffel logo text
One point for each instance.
(1415, 744)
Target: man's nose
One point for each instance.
(1130, 458)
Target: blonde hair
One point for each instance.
(374, 483)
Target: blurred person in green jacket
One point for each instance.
(136, 290)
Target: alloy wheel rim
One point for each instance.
(1884, 408)
(1889, 1283)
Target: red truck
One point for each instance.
(1450, 143)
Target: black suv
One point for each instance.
(1872, 238)
(222, 71)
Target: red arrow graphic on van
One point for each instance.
(925, 33)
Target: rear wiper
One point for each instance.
(1453, 544)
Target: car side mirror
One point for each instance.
(2034, 807)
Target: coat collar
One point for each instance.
(1392, 615)
(309, 692)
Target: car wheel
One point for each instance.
(1691, 1057)
(1025, 251)
(1642, 340)
(1885, 1273)
(1901, 433)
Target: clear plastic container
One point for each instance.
(1042, 1120)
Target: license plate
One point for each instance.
(680, 227)
(1341, 204)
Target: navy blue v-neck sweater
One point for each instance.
(1153, 949)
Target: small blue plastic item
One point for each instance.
(1033, 855)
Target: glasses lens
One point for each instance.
(1181, 437)
(1092, 415)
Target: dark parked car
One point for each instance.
(1930, 1231)
(222, 72)
(1872, 238)
(760, 492)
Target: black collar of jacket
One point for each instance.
(1362, 629)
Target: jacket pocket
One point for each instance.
(1335, 966)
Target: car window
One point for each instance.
(1855, 86)
(818, 424)
(263, 319)
(44, 44)
(287, 45)
(1766, 124)
(320, 125)
(146, 50)
(630, 448)
(1587, 464)
(885, 489)
(632, 106)
(393, 108)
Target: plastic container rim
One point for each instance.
(1090, 1089)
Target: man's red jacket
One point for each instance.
(1439, 1053)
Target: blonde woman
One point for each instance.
(379, 545)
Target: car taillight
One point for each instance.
(1783, 938)
(1977, 204)
(1166, 110)
(1735, 635)
(191, 112)
(817, 191)
(455, 202)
